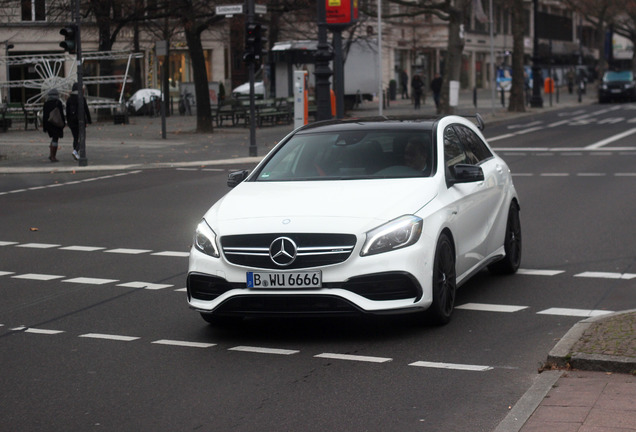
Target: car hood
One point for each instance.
(347, 206)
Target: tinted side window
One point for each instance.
(453, 149)
(475, 147)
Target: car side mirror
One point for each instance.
(463, 173)
(236, 177)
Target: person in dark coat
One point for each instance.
(436, 88)
(418, 89)
(72, 115)
(55, 132)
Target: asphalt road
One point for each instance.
(95, 333)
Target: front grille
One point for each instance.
(314, 250)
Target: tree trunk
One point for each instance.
(453, 66)
(199, 70)
(517, 102)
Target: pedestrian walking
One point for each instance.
(436, 88)
(72, 116)
(53, 121)
(404, 84)
(418, 88)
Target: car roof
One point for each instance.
(377, 123)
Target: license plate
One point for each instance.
(284, 280)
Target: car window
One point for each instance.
(453, 149)
(476, 150)
(355, 154)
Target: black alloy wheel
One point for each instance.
(444, 282)
(512, 244)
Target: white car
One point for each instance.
(243, 91)
(360, 216)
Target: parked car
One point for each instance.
(617, 85)
(243, 91)
(143, 100)
(371, 216)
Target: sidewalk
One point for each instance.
(589, 379)
(139, 144)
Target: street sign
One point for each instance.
(229, 9)
(260, 9)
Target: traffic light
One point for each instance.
(70, 34)
(253, 43)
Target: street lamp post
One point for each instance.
(7, 47)
(536, 101)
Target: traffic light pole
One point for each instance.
(253, 149)
(81, 118)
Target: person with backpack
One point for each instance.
(53, 121)
(72, 116)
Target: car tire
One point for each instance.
(444, 282)
(512, 244)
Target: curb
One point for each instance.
(561, 355)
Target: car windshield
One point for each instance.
(618, 76)
(348, 155)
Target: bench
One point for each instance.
(18, 112)
(272, 111)
(229, 110)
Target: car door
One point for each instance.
(470, 203)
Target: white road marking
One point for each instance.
(7, 243)
(37, 276)
(591, 174)
(455, 366)
(38, 245)
(606, 275)
(491, 307)
(109, 337)
(82, 248)
(183, 343)
(90, 281)
(4, 273)
(554, 174)
(181, 289)
(611, 139)
(144, 285)
(261, 350)
(354, 358)
(128, 251)
(172, 254)
(43, 331)
(625, 174)
(536, 272)
(574, 312)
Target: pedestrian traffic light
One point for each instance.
(70, 34)
(253, 43)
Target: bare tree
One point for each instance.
(517, 102)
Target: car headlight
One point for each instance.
(396, 234)
(205, 239)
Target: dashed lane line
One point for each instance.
(349, 357)
(183, 343)
(53, 185)
(109, 337)
(261, 350)
(80, 248)
(454, 366)
(491, 307)
(606, 275)
(586, 313)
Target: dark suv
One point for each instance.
(617, 85)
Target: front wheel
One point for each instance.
(512, 244)
(444, 282)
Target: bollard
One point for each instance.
(475, 96)
(503, 97)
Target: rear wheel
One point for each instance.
(444, 282)
(512, 244)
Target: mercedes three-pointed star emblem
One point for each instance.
(282, 251)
